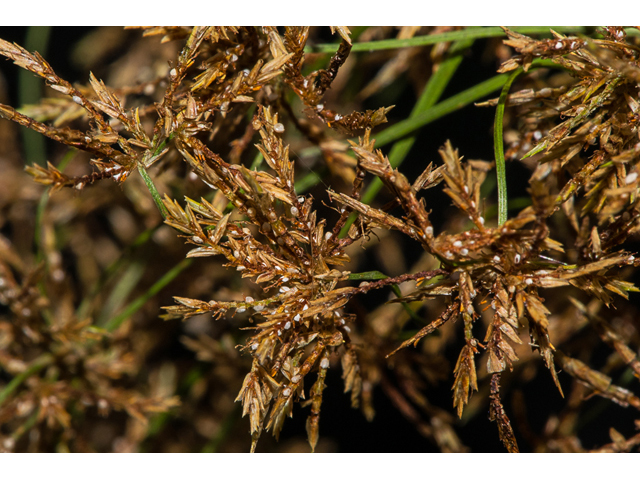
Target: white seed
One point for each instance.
(537, 135)
(240, 268)
(346, 329)
(196, 239)
(279, 333)
(301, 199)
(287, 325)
(466, 190)
(58, 275)
(61, 88)
(284, 289)
(305, 308)
(517, 258)
(338, 117)
(251, 212)
(254, 347)
(320, 107)
(285, 279)
(632, 177)
(481, 220)
(173, 73)
(297, 318)
(295, 378)
(464, 251)
(248, 299)
(77, 99)
(241, 310)
(528, 281)
(558, 46)
(457, 244)
(234, 58)
(294, 211)
(286, 392)
(236, 254)
(324, 363)
(258, 308)
(278, 127)
(328, 235)
(496, 259)
(429, 230)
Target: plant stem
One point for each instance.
(134, 306)
(471, 33)
(38, 364)
(498, 148)
(153, 190)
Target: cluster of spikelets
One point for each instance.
(489, 276)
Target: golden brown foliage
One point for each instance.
(228, 87)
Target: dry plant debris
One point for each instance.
(230, 89)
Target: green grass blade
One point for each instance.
(498, 148)
(134, 306)
(153, 190)
(83, 309)
(37, 365)
(121, 291)
(471, 33)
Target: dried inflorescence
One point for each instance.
(491, 277)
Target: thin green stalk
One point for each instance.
(121, 291)
(30, 92)
(83, 309)
(27, 425)
(498, 148)
(152, 189)
(37, 365)
(134, 306)
(471, 33)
